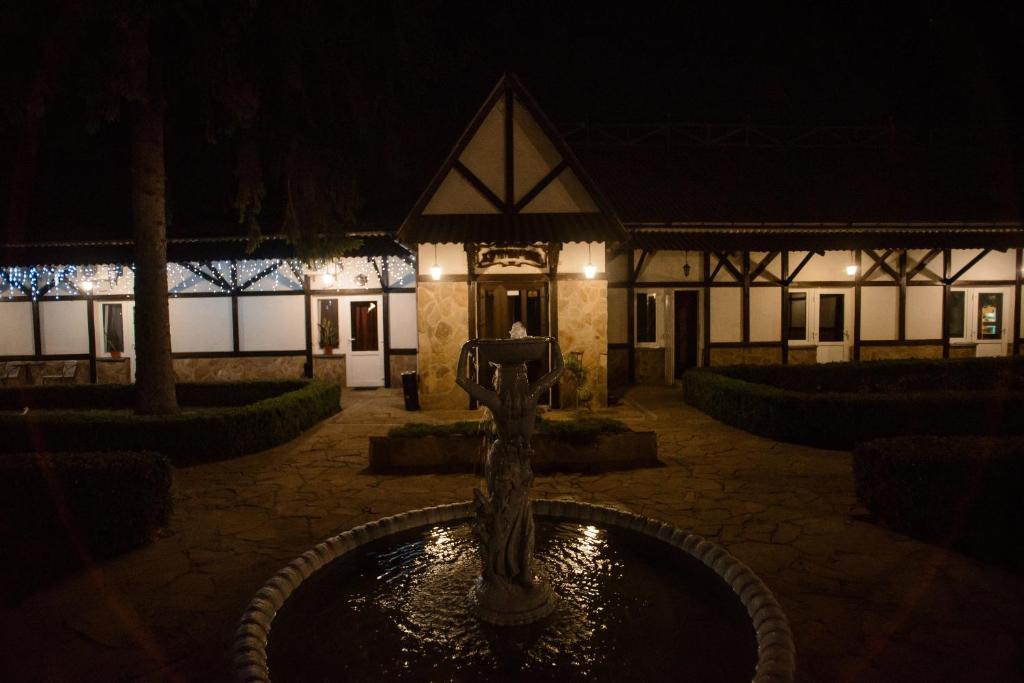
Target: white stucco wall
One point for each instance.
(202, 324)
(16, 337)
(879, 312)
(271, 323)
(765, 314)
(828, 268)
(63, 326)
(924, 312)
(618, 332)
(726, 323)
(403, 321)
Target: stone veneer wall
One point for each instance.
(442, 325)
(399, 364)
(803, 355)
(900, 352)
(111, 371)
(227, 368)
(753, 355)
(650, 366)
(583, 326)
(964, 351)
(618, 368)
(330, 367)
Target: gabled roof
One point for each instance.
(511, 178)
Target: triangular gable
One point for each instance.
(510, 161)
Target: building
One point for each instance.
(645, 250)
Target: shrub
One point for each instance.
(962, 491)
(842, 420)
(53, 505)
(120, 396)
(581, 429)
(190, 436)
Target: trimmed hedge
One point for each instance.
(120, 396)
(582, 429)
(53, 506)
(830, 419)
(962, 491)
(190, 436)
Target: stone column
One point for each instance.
(442, 322)
(583, 326)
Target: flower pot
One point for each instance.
(328, 350)
(115, 354)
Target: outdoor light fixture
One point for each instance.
(86, 286)
(589, 270)
(435, 270)
(851, 269)
(327, 279)
(686, 264)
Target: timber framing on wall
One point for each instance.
(891, 267)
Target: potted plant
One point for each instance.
(328, 336)
(578, 374)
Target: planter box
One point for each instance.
(451, 454)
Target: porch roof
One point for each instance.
(828, 236)
(179, 250)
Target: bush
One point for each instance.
(190, 436)
(962, 491)
(54, 505)
(120, 396)
(831, 419)
(581, 429)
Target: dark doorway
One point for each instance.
(499, 305)
(686, 309)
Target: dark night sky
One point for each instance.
(904, 63)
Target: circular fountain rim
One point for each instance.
(775, 649)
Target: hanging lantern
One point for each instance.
(435, 270)
(686, 264)
(589, 270)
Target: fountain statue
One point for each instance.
(508, 590)
(636, 598)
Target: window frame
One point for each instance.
(659, 319)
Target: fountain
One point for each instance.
(609, 595)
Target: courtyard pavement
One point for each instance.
(865, 604)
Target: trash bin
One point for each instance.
(410, 390)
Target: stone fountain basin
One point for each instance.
(775, 651)
(512, 350)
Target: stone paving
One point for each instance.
(865, 604)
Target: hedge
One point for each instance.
(54, 506)
(962, 491)
(120, 396)
(190, 436)
(899, 376)
(842, 420)
(581, 429)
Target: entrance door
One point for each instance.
(831, 334)
(819, 318)
(362, 319)
(990, 321)
(686, 317)
(500, 305)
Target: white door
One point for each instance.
(362, 326)
(115, 331)
(987, 320)
(820, 318)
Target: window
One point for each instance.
(646, 317)
(990, 315)
(328, 324)
(957, 315)
(113, 329)
(798, 316)
(830, 318)
(364, 326)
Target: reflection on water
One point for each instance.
(399, 610)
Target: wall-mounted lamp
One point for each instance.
(86, 286)
(686, 264)
(435, 270)
(851, 269)
(589, 270)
